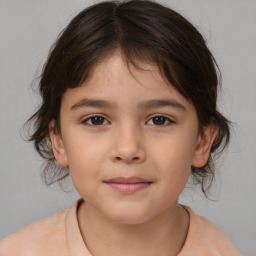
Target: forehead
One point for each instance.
(117, 68)
(114, 80)
(117, 61)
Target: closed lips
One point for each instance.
(130, 180)
(128, 186)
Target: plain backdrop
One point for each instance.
(27, 30)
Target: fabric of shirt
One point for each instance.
(59, 235)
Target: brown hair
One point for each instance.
(143, 31)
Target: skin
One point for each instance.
(127, 141)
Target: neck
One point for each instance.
(163, 235)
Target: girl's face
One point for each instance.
(129, 139)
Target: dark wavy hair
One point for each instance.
(143, 31)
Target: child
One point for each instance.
(129, 111)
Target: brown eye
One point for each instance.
(161, 121)
(94, 121)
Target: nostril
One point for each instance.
(134, 158)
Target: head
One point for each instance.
(148, 37)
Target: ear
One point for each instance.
(204, 144)
(57, 146)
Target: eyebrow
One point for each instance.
(154, 103)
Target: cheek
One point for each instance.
(85, 157)
(84, 149)
(175, 171)
(175, 152)
(173, 159)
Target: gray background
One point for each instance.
(27, 30)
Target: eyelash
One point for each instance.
(91, 125)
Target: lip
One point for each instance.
(128, 185)
(128, 180)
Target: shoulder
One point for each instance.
(41, 236)
(205, 238)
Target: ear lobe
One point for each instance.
(58, 146)
(204, 144)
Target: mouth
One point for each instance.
(128, 185)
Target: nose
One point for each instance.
(128, 146)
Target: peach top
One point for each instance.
(59, 235)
